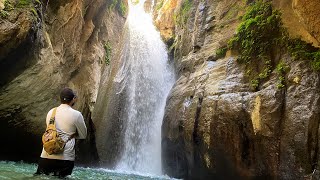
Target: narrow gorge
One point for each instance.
(190, 89)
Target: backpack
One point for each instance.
(52, 142)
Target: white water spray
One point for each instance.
(145, 77)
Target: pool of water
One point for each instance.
(24, 171)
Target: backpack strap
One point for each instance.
(52, 119)
(70, 137)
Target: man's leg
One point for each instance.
(65, 168)
(43, 166)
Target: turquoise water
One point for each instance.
(24, 171)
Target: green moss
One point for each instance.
(4, 14)
(120, 6)
(34, 11)
(258, 33)
(257, 38)
(301, 50)
(113, 4)
(182, 17)
(8, 6)
(221, 52)
(281, 69)
(255, 84)
(24, 3)
(108, 50)
(316, 60)
(123, 8)
(37, 1)
(159, 5)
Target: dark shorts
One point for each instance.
(61, 168)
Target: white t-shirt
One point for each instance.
(68, 121)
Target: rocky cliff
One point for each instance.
(45, 46)
(222, 120)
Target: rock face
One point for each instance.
(215, 125)
(164, 20)
(43, 48)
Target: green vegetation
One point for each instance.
(159, 4)
(304, 51)
(37, 1)
(108, 49)
(258, 33)
(182, 17)
(120, 6)
(8, 6)
(34, 11)
(24, 3)
(4, 14)
(123, 8)
(257, 37)
(260, 36)
(281, 69)
(221, 52)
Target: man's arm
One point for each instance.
(81, 128)
(48, 117)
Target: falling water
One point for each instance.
(145, 77)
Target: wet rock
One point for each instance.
(65, 47)
(214, 120)
(164, 19)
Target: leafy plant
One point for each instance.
(221, 52)
(34, 11)
(159, 4)
(123, 8)
(108, 49)
(259, 36)
(316, 60)
(8, 6)
(24, 3)
(183, 15)
(256, 39)
(4, 14)
(120, 6)
(38, 1)
(281, 69)
(304, 51)
(258, 33)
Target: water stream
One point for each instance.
(146, 79)
(25, 171)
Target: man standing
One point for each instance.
(70, 126)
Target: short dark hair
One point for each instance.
(66, 95)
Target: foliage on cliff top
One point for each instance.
(258, 33)
(257, 38)
(261, 36)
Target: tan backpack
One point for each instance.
(52, 142)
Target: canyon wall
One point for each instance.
(216, 125)
(45, 46)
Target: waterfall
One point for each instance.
(145, 79)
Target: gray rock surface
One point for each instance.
(62, 46)
(216, 126)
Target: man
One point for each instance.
(70, 126)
